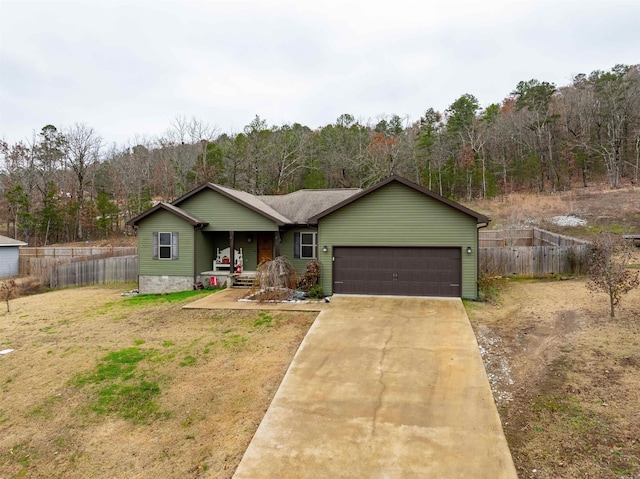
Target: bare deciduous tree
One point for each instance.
(83, 150)
(8, 291)
(608, 270)
(188, 138)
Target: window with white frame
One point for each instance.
(309, 245)
(164, 246)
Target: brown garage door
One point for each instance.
(397, 271)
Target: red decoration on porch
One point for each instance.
(239, 268)
(213, 281)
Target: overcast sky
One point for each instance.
(129, 68)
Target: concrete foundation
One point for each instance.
(164, 284)
(205, 278)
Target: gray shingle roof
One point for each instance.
(185, 214)
(301, 205)
(292, 208)
(6, 241)
(192, 219)
(256, 202)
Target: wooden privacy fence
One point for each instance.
(40, 261)
(95, 271)
(74, 252)
(530, 252)
(501, 238)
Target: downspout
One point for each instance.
(480, 226)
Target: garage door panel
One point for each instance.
(415, 271)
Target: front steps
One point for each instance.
(243, 280)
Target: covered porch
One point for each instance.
(232, 257)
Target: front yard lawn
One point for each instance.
(105, 386)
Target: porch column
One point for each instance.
(232, 252)
(276, 243)
(195, 256)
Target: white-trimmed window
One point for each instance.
(165, 245)
(308, 245)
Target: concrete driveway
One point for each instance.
(383, 387)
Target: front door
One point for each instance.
(265, 247)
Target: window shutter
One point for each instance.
(174, 245)
(296, 245)
(155, 245)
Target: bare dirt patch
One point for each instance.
(103, 386)
(565, 377)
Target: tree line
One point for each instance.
(66, 185)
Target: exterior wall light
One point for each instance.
(325, 249)
(249, 239)
(469, 249)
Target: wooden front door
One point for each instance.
(265, 247)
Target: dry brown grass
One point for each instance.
(523, 208)
(216, 373)
(566, 378)
(604, 209)
(571, 411)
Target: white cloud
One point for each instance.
(128, 67)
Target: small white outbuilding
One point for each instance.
(9, 256)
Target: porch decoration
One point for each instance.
(222, 262)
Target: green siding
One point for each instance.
(165, 222)
(286, 248)
(204, 252)
(396, 215)
(249, 251)
(225, 214)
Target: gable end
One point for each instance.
(481, 219)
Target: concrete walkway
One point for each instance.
(383, 387)
(228, 299)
